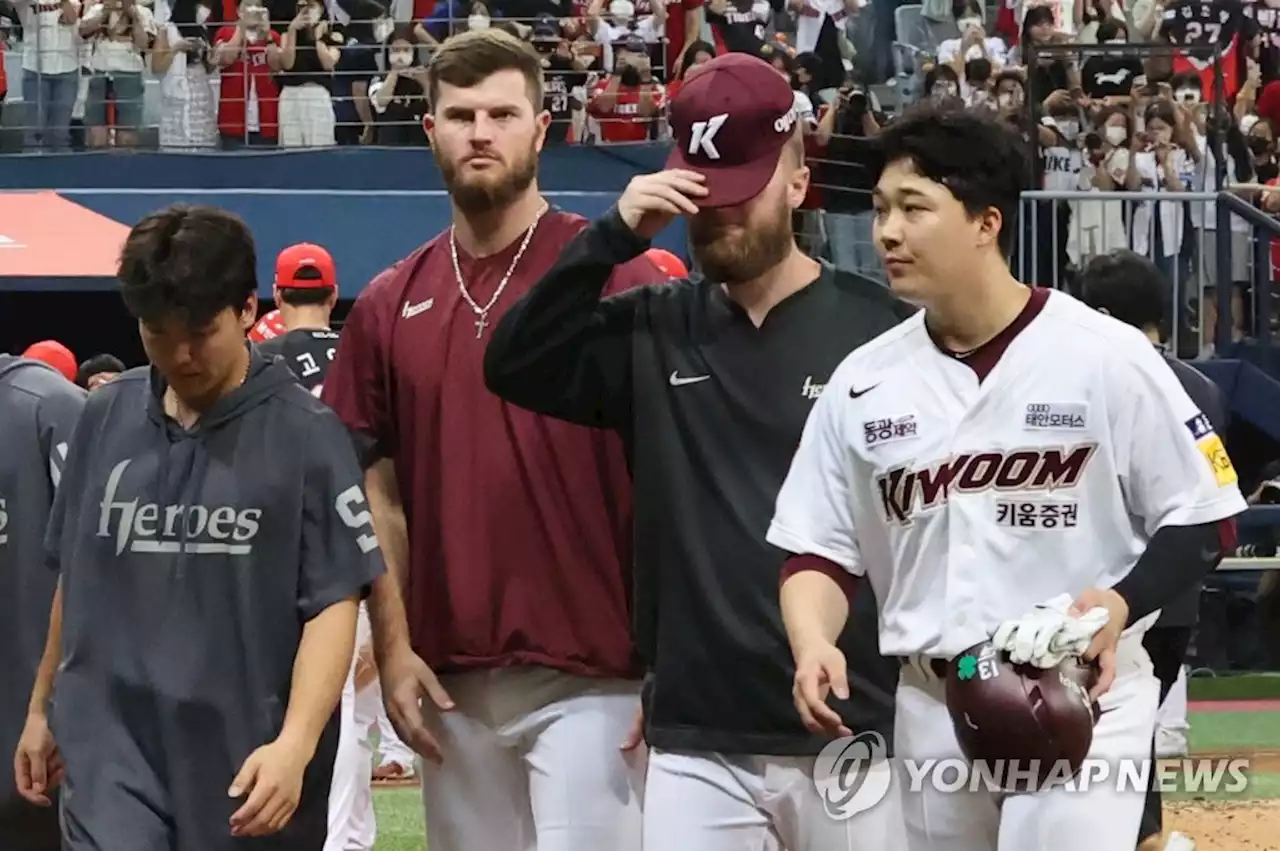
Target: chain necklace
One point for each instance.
(482, 313)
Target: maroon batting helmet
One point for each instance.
(1038, 721)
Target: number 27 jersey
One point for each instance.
(967, 502)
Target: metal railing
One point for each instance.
(87, 92)
(1183, 233)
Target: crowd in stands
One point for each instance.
(1102, 115)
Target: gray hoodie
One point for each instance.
(38, 410)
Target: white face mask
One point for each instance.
(1116, 135)
(1069, 129)
(382, 29)
(944, 90)
(202, 14)
(478, 22)
(1188, 96)
(400, 58)
(967, 24)
(1006, 100)
(622, 12)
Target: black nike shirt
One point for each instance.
(307, 352)
(711, 409)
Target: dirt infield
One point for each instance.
(1260, 762)
(1243, 826)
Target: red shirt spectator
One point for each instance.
(677, 34)
(618, 114)
(247, 88)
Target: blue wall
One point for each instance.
(369, 207)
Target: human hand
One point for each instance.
(37, 763)
(635, 736)
(1102, 647)
(408, 686)
(652, 201)
(820, 671)
(1049, 633)
(271, 777)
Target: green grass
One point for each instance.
(400, 825)
(1221, 731)
(1260, 686)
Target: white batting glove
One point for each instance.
(1048, 634)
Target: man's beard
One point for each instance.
(744, 256)
(483, 195)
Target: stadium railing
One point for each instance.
(21, 116)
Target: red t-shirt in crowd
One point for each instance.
(519, 525)
(622, 122)
(233, 95)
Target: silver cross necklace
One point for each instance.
(482, 313)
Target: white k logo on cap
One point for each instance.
(702, 137)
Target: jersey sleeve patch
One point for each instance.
(1210, 446)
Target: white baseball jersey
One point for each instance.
(966, 503)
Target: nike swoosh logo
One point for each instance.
(1209, 555)
(678, 381)
(854, 394)
(411, 310)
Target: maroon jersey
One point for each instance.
(519, 525)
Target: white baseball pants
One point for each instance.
(718, 802)
(1101, 818)
(352, 826)
(390, 748)
(532, 763)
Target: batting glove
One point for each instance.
(1048, 634)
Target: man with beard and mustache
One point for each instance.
(508, 662)
(710, 382)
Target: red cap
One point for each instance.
(667, 263)
(270, 326)
(305, 255)
(55, 355)
(731, 121)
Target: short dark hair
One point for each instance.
(468, 59)
(1126, 285)
(303, 296)
(96, 364)
(187, 263)
(979, 159)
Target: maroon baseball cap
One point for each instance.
(731, 120)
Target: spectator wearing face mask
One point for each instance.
(309, 51)
(627, 104)
(941, 83)
(1010, 92)
(1107, 78)
(400, 98)
(1162, 161)
(248, 54)
(1260, 139)
(616, 22)
(1061, 163)
(1216, 134)
(366, 33)
(182, 58)
(973, 43)
(1101, 224)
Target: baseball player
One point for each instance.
(1008, 464)
(212, 541)
(509, 664)
(306, 288)
(1132, 289)
(38, 409)
(711, 381)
